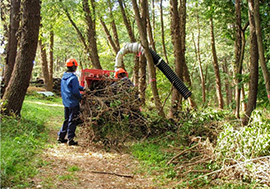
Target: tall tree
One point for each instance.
(90, 42)
(162, 32)
(141, 23)
(45, 66)
(51, 56)
(19, 82)
(239, 46)
(198, 57)
(139, 69)
(91, 32)
(186, 75)
(176, 40)
(254, 56)
(266, 73)
(12, 40)
(216, 66)
(110, 39)
(178, 30)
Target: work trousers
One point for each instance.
(71, 121)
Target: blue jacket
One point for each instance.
(70, 90)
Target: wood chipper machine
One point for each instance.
(97, 79)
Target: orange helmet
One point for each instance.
(118, 71)
(70, 62)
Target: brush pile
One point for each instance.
(112, 114)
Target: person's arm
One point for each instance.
(76, 88)
(81, 88)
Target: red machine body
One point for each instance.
(90, 78)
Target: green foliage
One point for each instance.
(201, 123)
(244, 142)
(73, 169)
(153, 157)
(21, 139)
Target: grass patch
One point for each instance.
(153, 158)
(22, 138)
(73, 169)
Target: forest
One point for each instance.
(219, 137)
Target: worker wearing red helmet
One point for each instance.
(122, 75)
(71, 96)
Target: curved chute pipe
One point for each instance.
(135, 48)
(159, 62)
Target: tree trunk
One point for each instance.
(91, 33)
(265, 71)
(141, 23)
(253, 82)
(186, 76)
(137, 66)
(114, 29)
(51, 59)
(127, 22)
(178, 54)
(198, 57)
(238, 45)
(82, 38)
(150, 30)
(44, 63)
(12, 41)
(227, 84)
(142, 81)
(162, 32)
(109, 37)
(216, 67)
(21, 74)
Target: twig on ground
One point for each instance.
(176, 156)
(110, 173)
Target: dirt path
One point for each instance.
(78, 167)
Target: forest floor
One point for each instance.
(87, 166)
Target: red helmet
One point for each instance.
(70, 62)
(118, 71)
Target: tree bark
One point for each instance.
(179, 54)
(12, 41)
(198, 57)
(150, 30)
(186, 75)
(44, 63)
(253, 82)
(127, 22)
(91, 33)
(162, 33)
(51, 58)
(114, 28)
(138, 65)
(265, 71)
(216, 67)
(141, 23)
(142, 80)
(238, 46)
(19, 82)
(227, 84)
(109, 37)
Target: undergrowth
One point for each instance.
(207, 141)
(22, 138)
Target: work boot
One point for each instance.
(72, 142)
(61, 140)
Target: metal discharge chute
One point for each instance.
(159, 62)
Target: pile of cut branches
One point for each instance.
(202, 154)
(194, 159)
(112, 116)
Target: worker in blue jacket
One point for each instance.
(71, 96)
